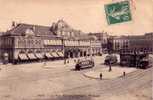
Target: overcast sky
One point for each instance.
(86, 15)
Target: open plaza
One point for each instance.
(76, 50)
(58, 62)
(54, 80)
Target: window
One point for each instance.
(29, 32)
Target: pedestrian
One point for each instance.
(101, 76)
(124, 73)
(44, 63)
(74, 60)
(67, 61)
(64, 60)
(78, 61)
(110, 67)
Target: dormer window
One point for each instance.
(29, 31)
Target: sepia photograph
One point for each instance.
(76, 49)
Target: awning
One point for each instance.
(93, 52)
(23, 56)
(48, 55)
(54, 54)
(39, 55)
(31, 56)
(60, 54)
(16, 56)
(88, 53)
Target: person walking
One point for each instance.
(44, 63)
(110, 67)
(64, 60)
(101, 76)
(124, 73)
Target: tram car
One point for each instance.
(84, 63)
(134, 59)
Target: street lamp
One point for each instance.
(90, 49)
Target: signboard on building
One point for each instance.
(96, 44)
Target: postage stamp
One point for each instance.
(118, 12)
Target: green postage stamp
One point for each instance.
(118, 12)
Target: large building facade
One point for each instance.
(26, 43)
(134, 50)
(102, 37)
(142, 43)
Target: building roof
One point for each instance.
(38, 30)
(149, 35)
(130, 37)
(63, 27)
(1, 33)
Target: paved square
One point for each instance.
(58, 82)
(116, 72)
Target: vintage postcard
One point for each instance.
(76, 49)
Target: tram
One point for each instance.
(134, 59)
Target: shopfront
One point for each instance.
(96, 48)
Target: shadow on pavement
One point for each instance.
(69, 97)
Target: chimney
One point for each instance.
(33, 28)
(13, 24)
(53, 26)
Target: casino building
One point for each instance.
(27, 43)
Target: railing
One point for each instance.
(128, 51)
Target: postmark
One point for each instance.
(118, 12)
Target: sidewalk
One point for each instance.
(116, 72)
(50, 64)
(60, 63)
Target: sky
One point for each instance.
(84, 15)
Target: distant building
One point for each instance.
(140, 43)
(62, 29)
(80, 43)
(103, 37)
(133, 50)
(121, 42)
(96, 48)
(1, 33)
(149, 35)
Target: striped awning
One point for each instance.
(54, 54)
(88, 53)
(23, 56)
(48, 55)
(60, 54)
(93, 52)
(39, 55)
(31, 56)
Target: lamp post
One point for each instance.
(110, 45)
(110, 49)
(90, 49)
(63, 47)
